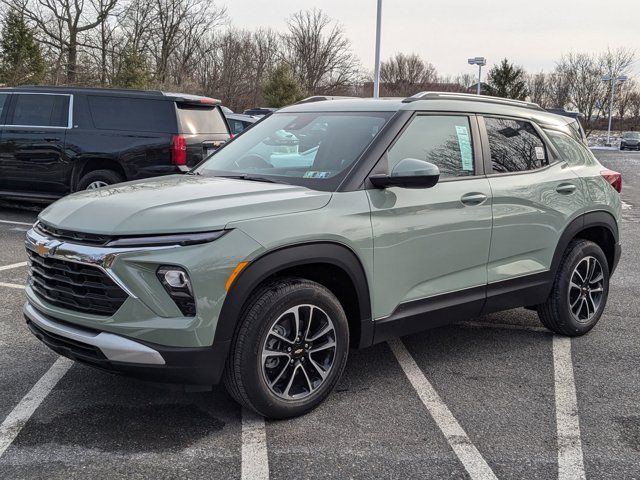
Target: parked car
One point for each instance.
(576, 125)
(239, 123)
(259, 111)
(393, 217)
(55, 140)
(630, 141)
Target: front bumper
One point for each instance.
(118, 354)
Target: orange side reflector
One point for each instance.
(236, 271)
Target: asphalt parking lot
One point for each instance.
(493, 397)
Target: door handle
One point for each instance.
(51, 139)
(566, 188)
(471, 199)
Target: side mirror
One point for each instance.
(409, 173)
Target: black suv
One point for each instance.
(57, 140)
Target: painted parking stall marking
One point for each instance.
(12, 266)
(255, 460)
(570, 458)
(13, 222)
(19, 416)
(467, 453)
(11, 285)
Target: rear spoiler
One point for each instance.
(195, 100)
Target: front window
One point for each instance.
(315, 150)
(632, 135)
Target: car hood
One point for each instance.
(177, 203)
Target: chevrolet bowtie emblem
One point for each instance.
(46, 249)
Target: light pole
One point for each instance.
(481, 62)
(376, 70)
(614, 81)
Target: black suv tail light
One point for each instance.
(179, 150)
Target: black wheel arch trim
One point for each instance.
(597, 218)
(282, 258)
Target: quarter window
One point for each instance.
(515, 146)
(37, 110)
(444, 141)
(132, 114)
(573, 152)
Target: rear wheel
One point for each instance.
(98, 179)
(579, 292)
(289, 350)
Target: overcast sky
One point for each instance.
(447, 32)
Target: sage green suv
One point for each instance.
(328, 225)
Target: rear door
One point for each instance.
(535, 196)
(204, 129)
(32, 152)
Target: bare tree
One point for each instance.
(64, 24)
(404, 75)
(318, 52)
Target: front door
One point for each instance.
(431, 245)
(32, 156)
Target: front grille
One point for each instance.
(70, 236)
(75, 286)
(65, 346)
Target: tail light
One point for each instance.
(179, 150)
(614, 179)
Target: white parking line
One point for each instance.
(30, 402)
(11, 285)
(473, 462)
(570, 459)
(13, 222)
(255, 460)
(13, 265)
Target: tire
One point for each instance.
(270, 309)
(587, 297)
(107, 177)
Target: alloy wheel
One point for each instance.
(97, 184)
(298, 352)
(586, 289)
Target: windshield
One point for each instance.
(634, 135)
(315, 150)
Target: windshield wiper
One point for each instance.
(251, 178)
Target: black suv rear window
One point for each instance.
(132, 114)
(196, 119)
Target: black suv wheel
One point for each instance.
(289, 350)
(579, 292)
(98, 179)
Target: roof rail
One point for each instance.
(95, 89)
(470, 97)
(321, 98)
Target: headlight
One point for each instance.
(181, 239)
(177, 284)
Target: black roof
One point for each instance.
(177, 97)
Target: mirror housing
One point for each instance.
(409, 173)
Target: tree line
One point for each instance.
(190, 46)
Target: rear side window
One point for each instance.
(444, 141)
(196, 119)
(573, 152)
(39, 110)
(515, 146)
(132, 114)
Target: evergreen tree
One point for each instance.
(281, 88)
(508, 81)
(21, 59)
(133, 71)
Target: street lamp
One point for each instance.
(614, 81)
(481, 62)
(376, 71)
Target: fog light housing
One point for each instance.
(177, 284)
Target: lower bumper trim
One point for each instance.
(114, 347)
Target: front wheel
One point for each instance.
(289, 350)
(580, 290)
